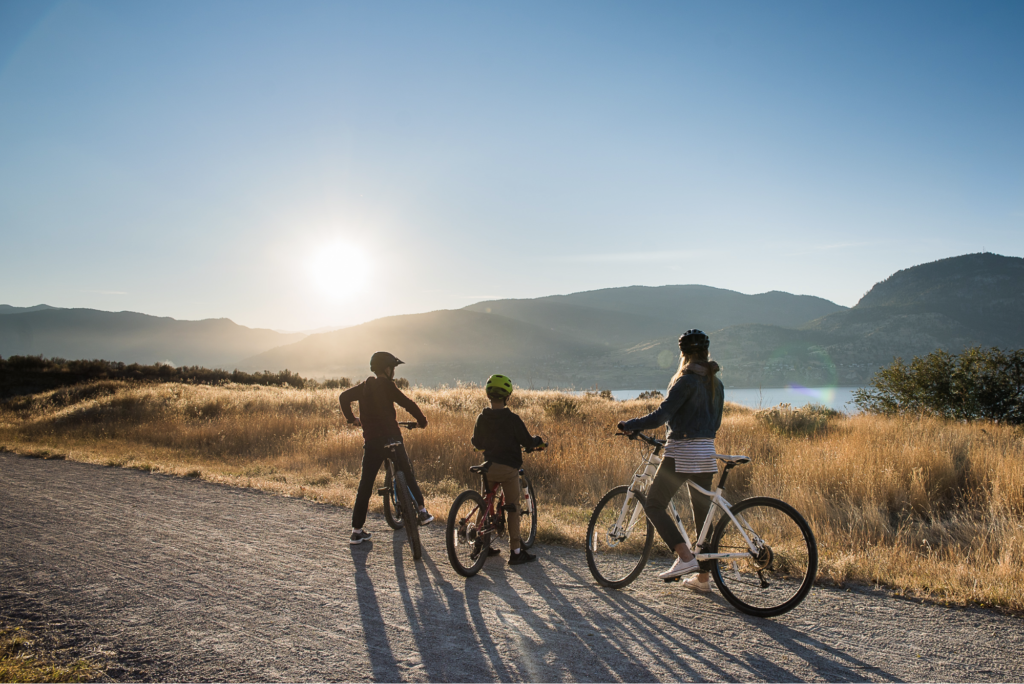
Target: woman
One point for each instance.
(693, 411)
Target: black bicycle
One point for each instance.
(399, 504)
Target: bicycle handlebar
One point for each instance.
(409, 424)
(641, 436)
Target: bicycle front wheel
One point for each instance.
(409, 517)
(527, 512)
(464, 535)
(778, 574)
(619, 538)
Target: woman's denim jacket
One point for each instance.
(686, 410)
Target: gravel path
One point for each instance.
(174, 579)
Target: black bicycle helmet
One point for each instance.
(381, 360)
(694, 340)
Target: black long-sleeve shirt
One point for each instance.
(377, 398)
(502, 435)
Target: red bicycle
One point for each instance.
(478, 516)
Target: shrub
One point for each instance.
(651, 394)
(976, 384)
(562, 406)
(807, 420)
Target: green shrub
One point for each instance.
(562, 406)
(976, 384)
(806, 420)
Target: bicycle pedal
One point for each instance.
(383, 491)
(671, 579)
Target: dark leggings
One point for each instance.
(373, 459)
(666, 483)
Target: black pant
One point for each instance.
(666, 483)
(373, 459)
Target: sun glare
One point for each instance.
(338, 268)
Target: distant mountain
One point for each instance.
(132, 337)
(8, 309)
(566, 340)
(951, 304)
(440, 347)
(615, 338)
(630, 315)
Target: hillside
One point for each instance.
(614, 338)
(951, 304)
(631, 315)
(132, 337)
(440, 347)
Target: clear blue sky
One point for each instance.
(303, 164)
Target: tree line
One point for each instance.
(23, 374)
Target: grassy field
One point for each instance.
(929, 508)
(22, 659)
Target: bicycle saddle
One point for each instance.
(482, 468)
(733, 459)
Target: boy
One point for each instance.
(377, 397)
(502, 435)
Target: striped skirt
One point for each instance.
(692, 455)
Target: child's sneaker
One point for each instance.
(359, 537)
(694, 584)
(681, 567)
(523, 556)
(425, 517)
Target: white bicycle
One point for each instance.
(763, 554)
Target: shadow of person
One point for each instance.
(382, 659)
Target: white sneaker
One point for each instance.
(681, 567)
(694, 584)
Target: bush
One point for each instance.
(562, 406)
(976, 384)
(806, 420)
(651, 394)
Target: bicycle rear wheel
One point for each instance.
(527, 512)
(779, 576)
(619, 538)
(392, 507)
(409, 517)
(464, 536)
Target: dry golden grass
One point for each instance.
(22, 660)
(927, 507)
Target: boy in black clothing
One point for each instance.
(502, 435)
(377, 397)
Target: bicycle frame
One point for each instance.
(642, 479)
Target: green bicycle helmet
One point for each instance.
(498, 386)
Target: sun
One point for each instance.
(338, 268)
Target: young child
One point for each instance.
(377, 397)
(502, 435)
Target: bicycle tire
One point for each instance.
(462, 535)
(528, 512)
(780, 577)
(392, 508)
(409, 517)
(616, 561)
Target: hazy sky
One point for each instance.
(303, 164)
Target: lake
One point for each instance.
(839, 398)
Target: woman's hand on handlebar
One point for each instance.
(620, 425)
